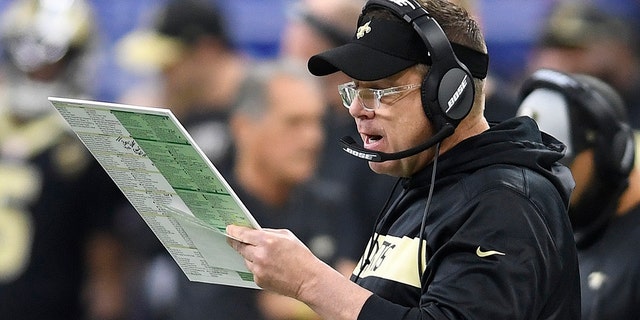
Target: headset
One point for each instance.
(614, 144)
(446, 106)
(453, 97)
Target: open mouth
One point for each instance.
(371, 140)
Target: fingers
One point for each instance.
(243, 249)
(240, 234)
(245, 241)
(256, 245)
(253, 236)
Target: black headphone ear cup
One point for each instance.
(455, 94)
(454, 98)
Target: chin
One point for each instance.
(388, 167)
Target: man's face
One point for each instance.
(289, 138)
(182, 80)
(398, 124)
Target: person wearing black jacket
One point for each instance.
(477, 227)
(604, 210)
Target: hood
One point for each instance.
(516, 141)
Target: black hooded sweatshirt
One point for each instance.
(497, 242)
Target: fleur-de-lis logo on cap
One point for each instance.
(363, 29)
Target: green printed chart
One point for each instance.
(169, 181)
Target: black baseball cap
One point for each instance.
(382, 47)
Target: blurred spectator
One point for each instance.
(277, 128)
(589, 116)
(315, 26)
(581, 38)
(199, 70)
(58, 256)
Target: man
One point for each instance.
(59, 257)
(488, 239)
(277, 129)
(590, 116)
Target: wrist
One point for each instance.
(332, 295)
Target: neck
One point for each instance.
(469, 127)
(631, 197)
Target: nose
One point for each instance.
(357, 110)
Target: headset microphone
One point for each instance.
(350, 146)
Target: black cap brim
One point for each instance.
(380, 49)
(358, 62)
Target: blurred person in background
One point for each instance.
(198, 66)
(59, 258)
(589, 116)
(315, 26)
(579, 37)
(278, 133)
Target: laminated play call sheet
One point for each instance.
(169, 181)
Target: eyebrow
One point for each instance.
(377, 84)
(388, 82)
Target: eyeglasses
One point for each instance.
(371, 99)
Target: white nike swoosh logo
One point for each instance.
(483, 254)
